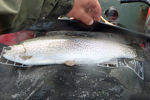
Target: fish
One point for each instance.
(69, 50)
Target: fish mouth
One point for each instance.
(7, 48)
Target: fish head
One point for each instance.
(13, 52)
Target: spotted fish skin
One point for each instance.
(60, 49)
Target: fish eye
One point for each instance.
(8, 48)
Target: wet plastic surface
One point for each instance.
(59, 82)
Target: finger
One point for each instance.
(80, 14)
(85, 18)
(96, 10)
(88, 10)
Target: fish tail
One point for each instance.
(139, 51)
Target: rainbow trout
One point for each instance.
(71, 50)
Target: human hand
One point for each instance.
(86, 10)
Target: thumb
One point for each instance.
(86, 18)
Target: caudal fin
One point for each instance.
(141, 56)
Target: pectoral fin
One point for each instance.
(26, 57)
(70, 62)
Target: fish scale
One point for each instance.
(59, 49)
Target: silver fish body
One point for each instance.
(61, 49)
